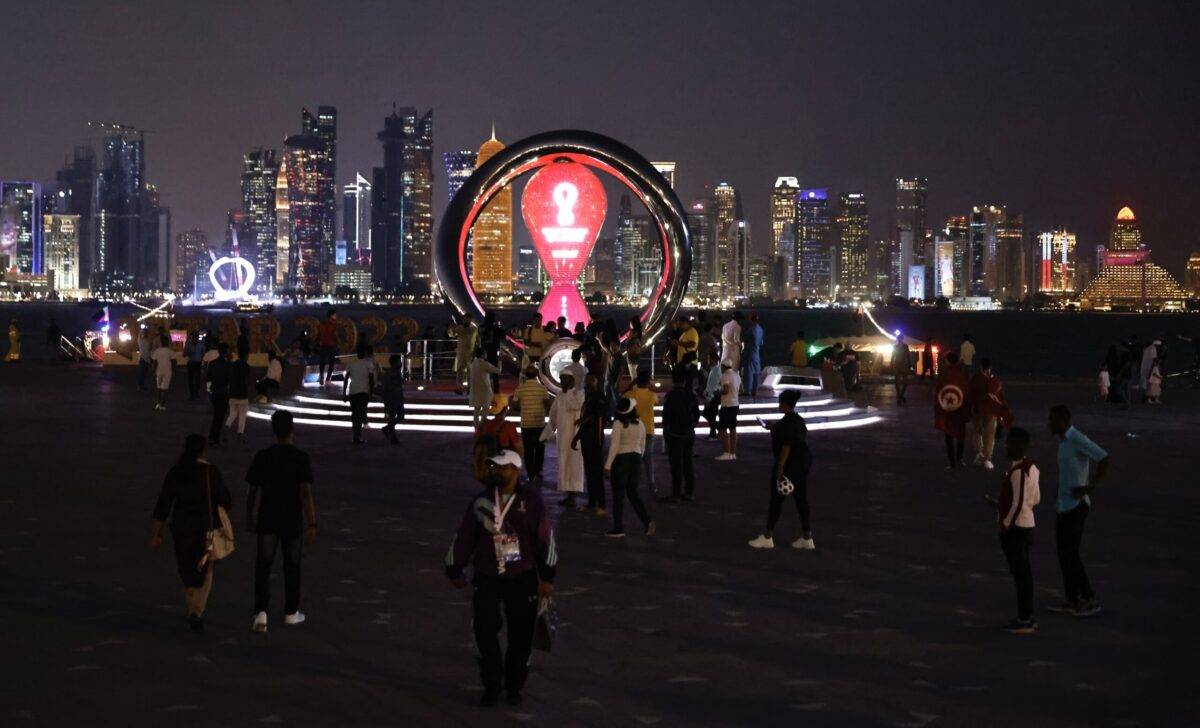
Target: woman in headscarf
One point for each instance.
(191, 493)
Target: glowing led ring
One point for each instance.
(538, 151)
(223, 292)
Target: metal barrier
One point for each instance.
(429, 358)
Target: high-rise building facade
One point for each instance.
(1013, 259)
(726, 206)
(737, 281)
(814, 257)
(402, 204)
(117, 207)
(982, 245)
(911, 213)
(459, 166)
(1056, 262)
(356, 220)
(958, 230)
(258, 235)
(191, 247)
(701, 230)
(21, 227)
(879, 264)
(667, 170)
(1191, 275)
(492, 235)
(283, 228)
(60, 235)
(310, 255)
(1126, 233)
(853, 247)
(75, 184)
(1128, 280)
(323, 126)
(783, 214)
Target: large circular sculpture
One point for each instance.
(535, 154)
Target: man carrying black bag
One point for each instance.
(507, 538)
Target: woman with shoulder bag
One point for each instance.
(197, 502)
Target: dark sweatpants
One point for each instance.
(1016, 542)
(593, 470)
(679, 455)
(518, 595)
(220, 405)
(625, 469)
(1068, 533)
(535, 450)
(799, 478)
(268, 544)
(358, 413)
(195, 379)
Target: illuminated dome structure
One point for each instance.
(1127, 279)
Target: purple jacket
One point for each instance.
(526, 519)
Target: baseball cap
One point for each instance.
(506, 457)
(499, 403)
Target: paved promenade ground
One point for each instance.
(892, 621)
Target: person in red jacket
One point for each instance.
(951, 408)
(988, 407)
(327, 347)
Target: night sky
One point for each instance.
(1064, 112)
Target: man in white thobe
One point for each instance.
(731, 342)
(564, 419)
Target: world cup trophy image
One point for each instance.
(563, 206)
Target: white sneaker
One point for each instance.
(987, 465)
(763, 542)
(804, 543)
(260, 622)
(294, 619)
(726, 456)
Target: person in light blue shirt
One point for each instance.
(1081, 464)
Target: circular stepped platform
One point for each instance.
(433, 412)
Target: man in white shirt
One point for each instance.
(576, 369)
(163, 359)
(731, 342)
(357, 388)
(731, 382)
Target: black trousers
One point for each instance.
(220, 405)
(194, 379)
(266, 387)
(901, 386)
(535, 450)
(326, 361)
(593, 469)
(679, 455)
(799, 495)
(358, 412)
(268, 544)
(1016, 542)
(625, 470)
(518, 596)
(143, 373)
(954, 449)
(1068, 534)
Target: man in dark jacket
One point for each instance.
(218, 392)
(680, 415)
(507, 539)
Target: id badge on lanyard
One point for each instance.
(508, 548)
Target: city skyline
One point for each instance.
(1064, 170)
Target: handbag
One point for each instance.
(219, 540)
(545, 625)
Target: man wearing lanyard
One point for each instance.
(507, 538)
(1076, 454)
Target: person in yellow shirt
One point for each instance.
(799, 350)
(644, 400)
(687, 350)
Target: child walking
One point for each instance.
(1105, 382)
(1154, 384)
(1019, 493)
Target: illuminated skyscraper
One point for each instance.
(911, 213)
(324, 127)
(75, 184)
(814, 256)
(726, 207)
(61, 241)
(191, 249)
(491, 237)
(1056, 262)
(701, 228)
(667, 170)
(459, 166)
(958, 230)
(402, 204)
(1013, 259)
(356, 221)
(309, 257)
(1126, 233)
(21, 226)
(737, 271)
(983, 247)
(783, 213)
(283, 228)
(1192, 275)
(258, 235)
(852, 246)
